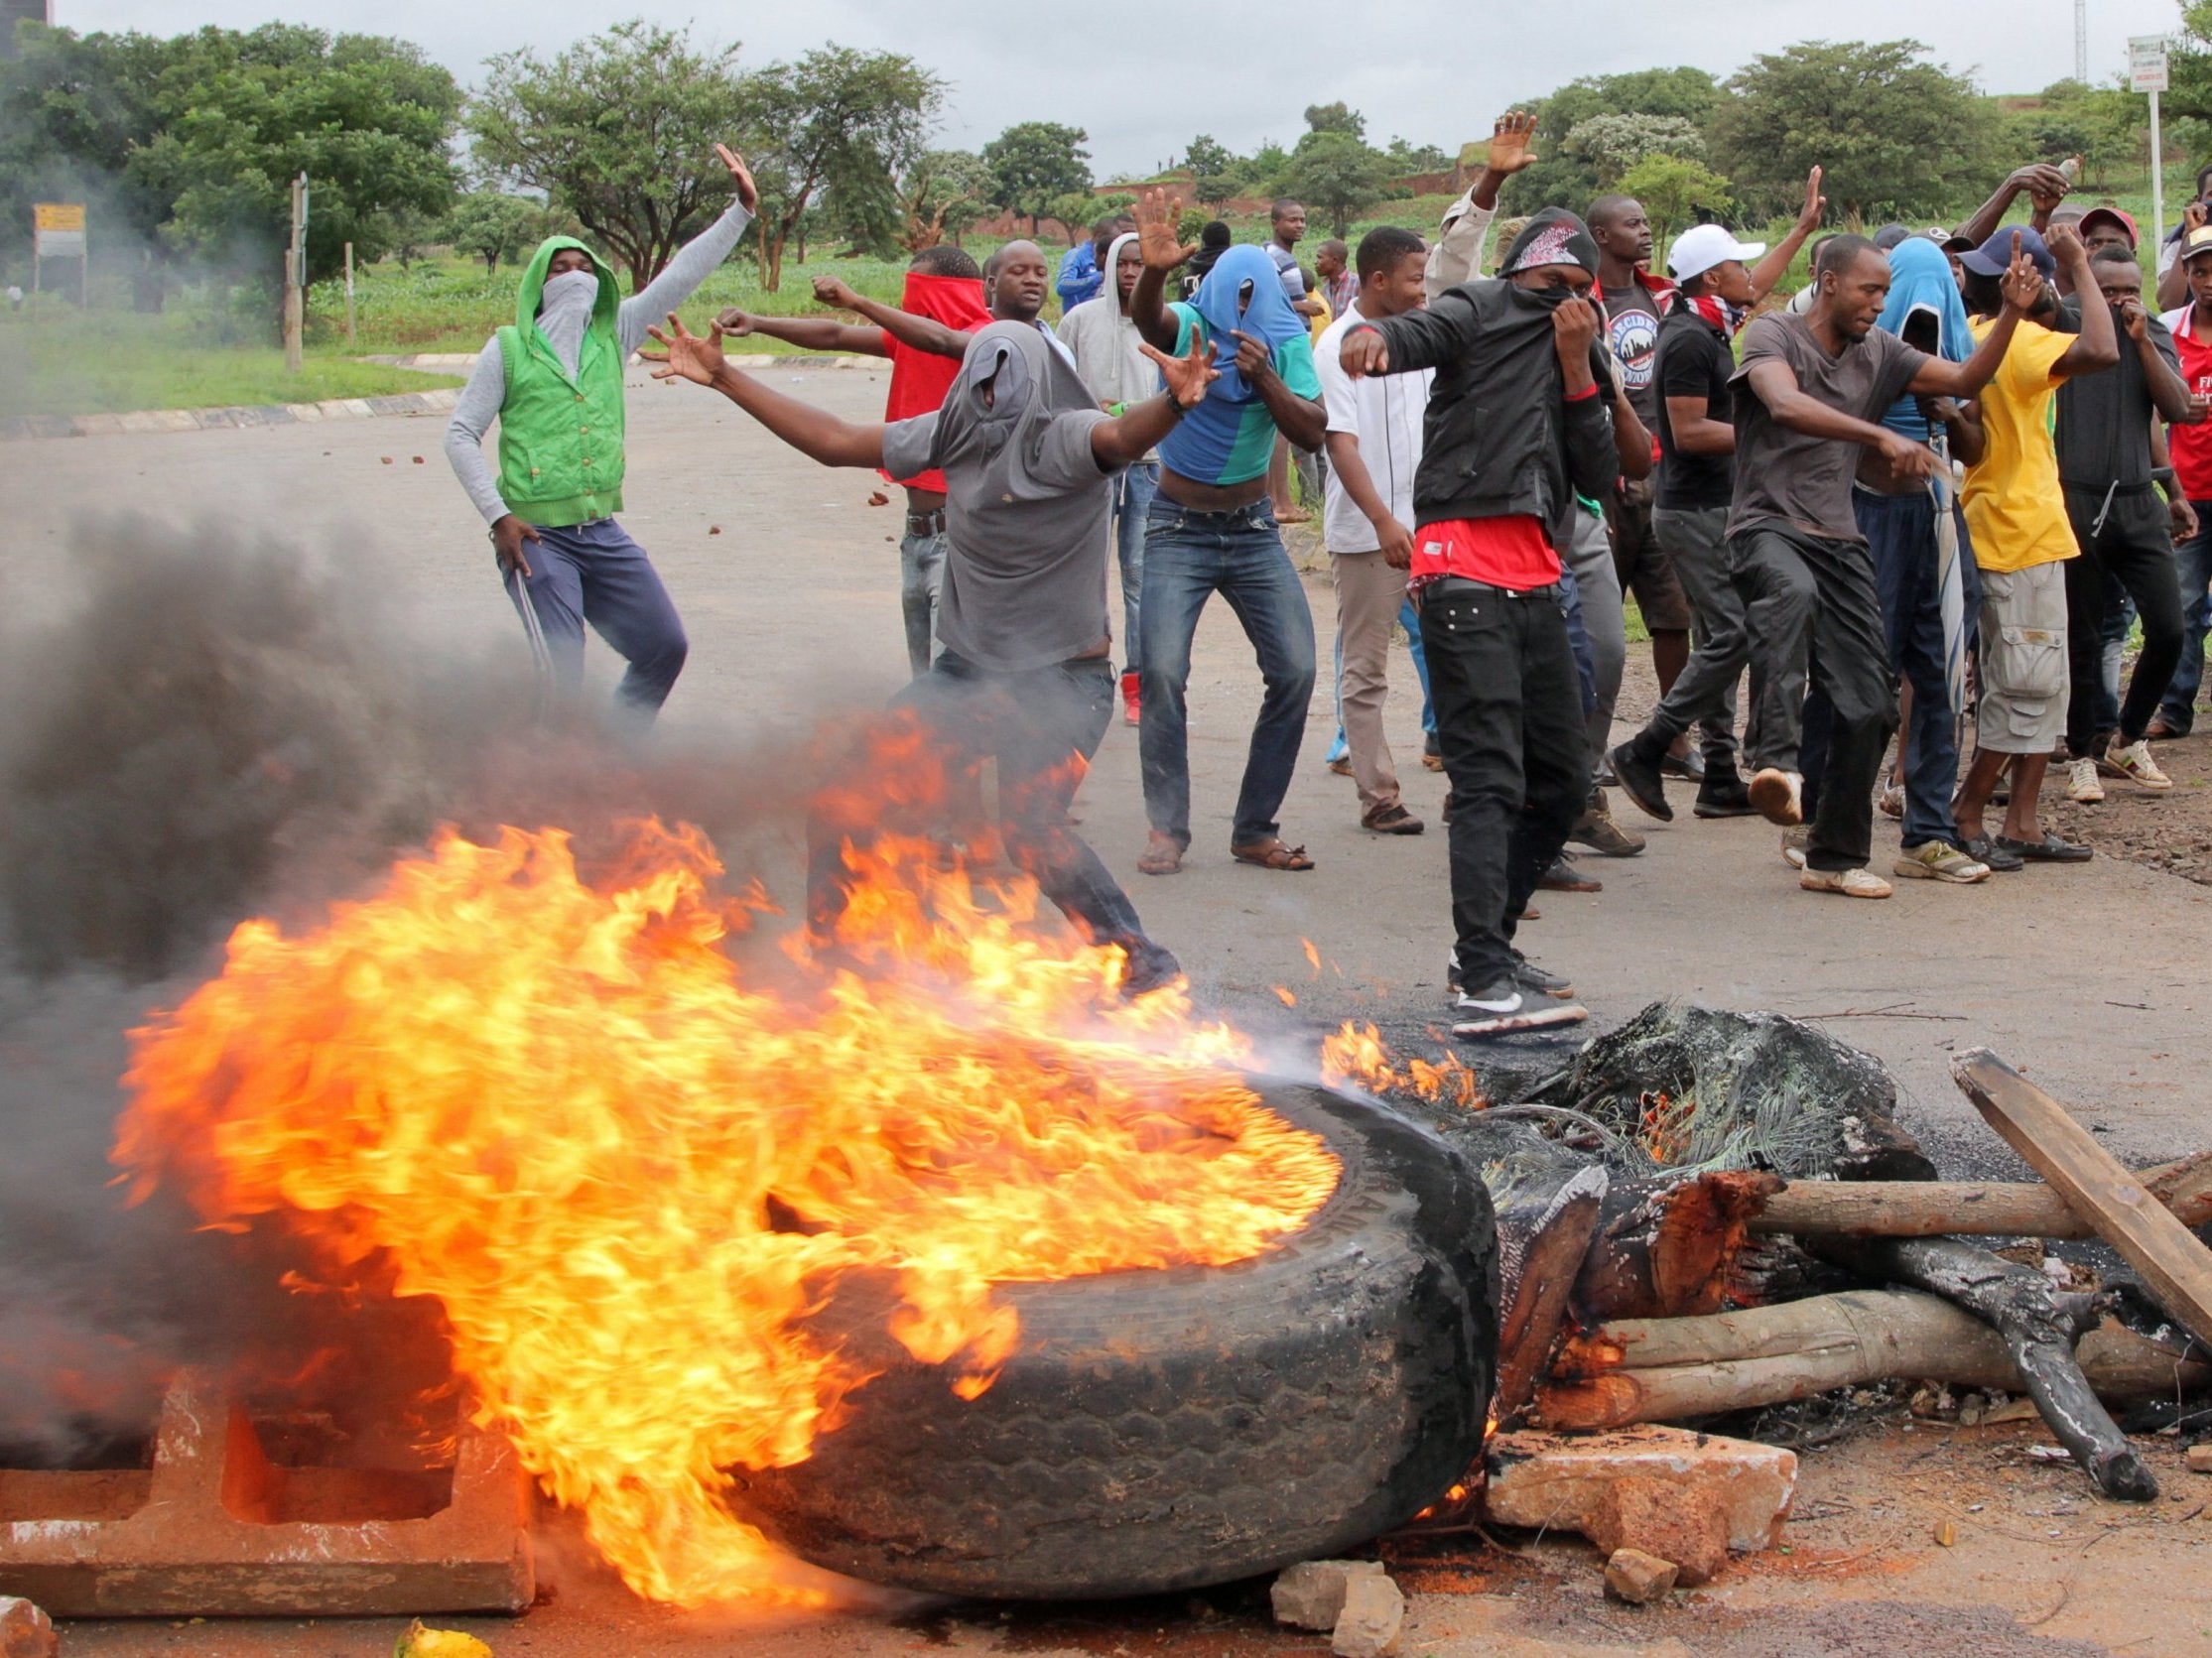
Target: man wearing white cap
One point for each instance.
(1719, 280)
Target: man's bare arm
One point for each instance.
(1695, 429)
(1395, 539)
(923, 334)
(1776, 265)
(815, 432)
(1162, 250)
(1134, 433)
(1775, 385)
(2043, 182)
(811, 333)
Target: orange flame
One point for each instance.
(1357, 1054)
(628, 1169)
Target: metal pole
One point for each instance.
(295, 301)
(2158, 171)
(84, 273)
(351, 340)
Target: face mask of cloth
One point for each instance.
(565, 311)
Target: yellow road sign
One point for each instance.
(57, 215)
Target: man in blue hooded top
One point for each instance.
(554, 383)
(1211, 531)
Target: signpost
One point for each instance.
(2147, 72)
(296, 277)
(58, 232)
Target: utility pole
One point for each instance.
(351, 339)
(2081, 41)
(294, 278)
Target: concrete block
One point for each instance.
(1682, 1523)
(215, 1529)
(1310, 1595)
(1637, 1578)
(1373, 1615)
(1557, 1481)
(25, 1630)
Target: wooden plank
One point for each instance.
(2176, 1268)
(1967, 1208)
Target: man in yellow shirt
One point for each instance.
(2015, 513)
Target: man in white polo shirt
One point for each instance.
(1374, 447)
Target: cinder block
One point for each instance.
(215, 1529)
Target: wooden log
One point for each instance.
(1668, 1250)
(1677, 1369)
(1967, 1208)
(2174, 1265)
(1540, 1264)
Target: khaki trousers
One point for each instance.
(1369, 595)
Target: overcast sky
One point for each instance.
(1143, 75)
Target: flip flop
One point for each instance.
(2049, 849)
(1271, 854)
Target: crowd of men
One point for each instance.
(1944, 481)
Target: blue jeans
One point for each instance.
(1409, 618)
(595, 573)
(1133, 505)
(2178, 709)
(921, 580)
(1189, 557)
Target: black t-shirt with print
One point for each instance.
(1633, 335)
(1693, 362)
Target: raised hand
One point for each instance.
(2046, 187)
(2065, 245)
(1158, 216)
(2193, 216)
(1816, 205)
(831, 290)
(2023, 285)
(687, 357)
(747, 191)
(1508, 142)
(1364, 352)
(1187, 376)
(734, 324)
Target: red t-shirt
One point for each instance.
(1510, 552)
(2191, 446)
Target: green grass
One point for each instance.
(56, 360)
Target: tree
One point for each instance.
(831, 134)
(200, 136)
(1416, 158)
(1337, 117)
(942, 194)
(1078, 210)
(1035, 163)
(1672, 190)
(1213, 168)
(493, 227)
(1338, 176)
(2101, 124)
(1559, 177)
(1613, 144)
(1898, 135)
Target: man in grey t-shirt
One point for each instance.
(1024, 678)
(1810, 391)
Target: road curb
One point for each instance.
(20, 428)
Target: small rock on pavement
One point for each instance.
(25, 1630)
(1310, 1595)
(1558, 1482)
(1637, 1578)
(2200, 1457)
(1682, 1523)
(1374, 1614)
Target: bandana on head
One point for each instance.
(1553, 237)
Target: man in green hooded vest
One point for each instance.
(554, 382)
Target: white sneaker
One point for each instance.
(1852, 883)
(1777, 794)
(2135, 760)
(1794, 846)
(2081, 783)
(1936, 861)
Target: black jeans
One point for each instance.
(1815, 617)
(2135, 545)
(1041, 725)
(1508, 720)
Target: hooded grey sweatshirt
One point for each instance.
(566, 310)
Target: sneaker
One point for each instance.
(1852, 883)
(1431, 755)
(1596, 829)
(1982, 849)
(1778, 795)
(1130, 698)
(2082, 785)
(1729, 799)
(1793, 848)
(1639, 779)
(1892, 800)
(1502, 1007)
(1342, 765)
(1563, 876)
(1529, 976)
(2135, 763)
(1937, 860)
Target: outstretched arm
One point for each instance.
(695, 261)
(923, 334)
(1426, 338)
(1776, 265)
(812, 432)
(1157, 214)
(813, 333)
(1134, 434)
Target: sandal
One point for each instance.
(1164, 856)
(1271, 854)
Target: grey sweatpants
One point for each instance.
(1695, 540)
(1598, 588)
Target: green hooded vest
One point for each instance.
(561, 440)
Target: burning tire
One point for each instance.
(1166, 1429)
